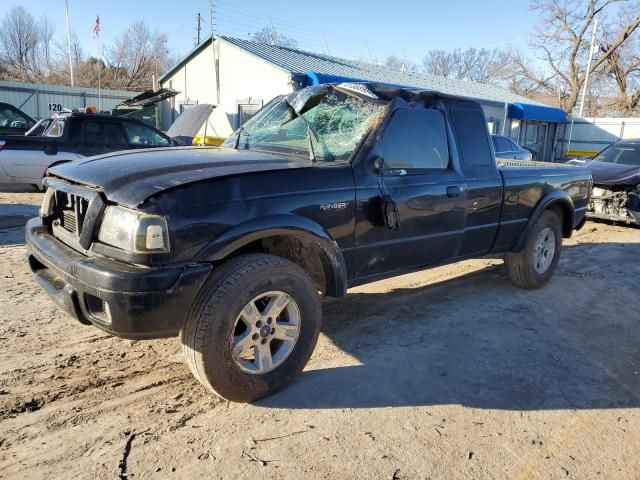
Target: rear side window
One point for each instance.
(56, 129)
(472, 137)
(501, 144)
(415, 139)
(144, 136)
(92, 133)
(114, 134)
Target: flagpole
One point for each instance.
(99, 73)
(96, 34)
(66, 13)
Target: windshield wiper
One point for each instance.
(240, 131)
(310, 135)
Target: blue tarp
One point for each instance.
(524, 111)
(314, 78)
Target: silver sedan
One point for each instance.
(507, 149)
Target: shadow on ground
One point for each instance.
(17, 188)
(13, 215)
(478, 342)
(13, 218)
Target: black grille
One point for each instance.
(70, 209)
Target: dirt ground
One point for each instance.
(447, 373)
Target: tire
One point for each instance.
(213, 322)
(523, 268)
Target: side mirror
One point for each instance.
(378, 165)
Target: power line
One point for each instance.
(234, 18)
(232, 26)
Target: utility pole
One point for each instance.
(66, 14)
(273, 32)
(369, 50)
(198, 28)
(216, 61)
(325, 42)
(586, 77)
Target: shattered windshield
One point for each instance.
(320, 123)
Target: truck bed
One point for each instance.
(525, 183)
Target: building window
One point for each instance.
(246, 111)
(531, 138)
(186, 106)
(514, 131)
(493, 126)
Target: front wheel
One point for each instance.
(534, 265)
(252, 328)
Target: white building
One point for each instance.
(239, 76)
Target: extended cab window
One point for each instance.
(472, 136)
(415, 139)
(142, 136)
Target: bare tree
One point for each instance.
(59, 73)
(135, 57)
(271, 36)
(46, 32)
(30, 52)
(18, 43)
(400, 64)
(477, 65)
(561, 42)
(623, 66)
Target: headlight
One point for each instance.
(134, 231)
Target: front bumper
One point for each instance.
(125, 300)
(632, 219)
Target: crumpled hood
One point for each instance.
(605, 173)
(130, 177)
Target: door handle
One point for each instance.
(454, 191)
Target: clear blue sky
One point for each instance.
(353, 29)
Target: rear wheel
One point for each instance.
(253, 327)
(533, 267)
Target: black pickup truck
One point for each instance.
(332, 186)
(24, 159)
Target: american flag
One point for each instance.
(96, 28)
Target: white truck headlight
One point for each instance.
(134, 231)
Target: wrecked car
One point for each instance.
(326, 188)
(616, 182)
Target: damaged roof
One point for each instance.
(300, 63)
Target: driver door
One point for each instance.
(430, 195)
